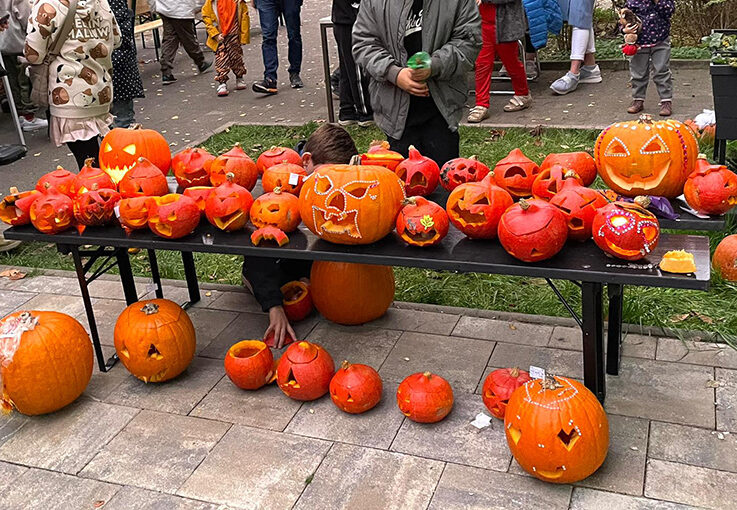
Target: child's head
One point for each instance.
(329, 144)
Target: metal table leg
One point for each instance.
(324, 24)
(155, 276)
(614, 332)
(593, 339)
(126, 276)
(190, 274)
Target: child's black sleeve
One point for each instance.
(265, 277)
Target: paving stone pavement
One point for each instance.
(199, 443)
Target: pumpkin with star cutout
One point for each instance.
(422, 222)
(52, 212)
(533, 230)
(304, 371)
(355, 388)
(228, 206)
(462, 170)
(277, 209)
(172, 216)
(419, 174)
(516, 173)
(626, 230)
(143, 179)
(15, 208)
(235, 162)
(122, 147)
(475, 208)
(191, 167)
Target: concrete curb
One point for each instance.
(623, 64)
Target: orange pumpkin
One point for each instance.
(550, 180)
(516, 173)
(422, 222)
(278, 209)
(351, 204)
(227, 207)
(579, 206)
(646, 157)
(133, 213)
(95, 207)
(60, 179)
(49, 367)
(287, 176)
(380, 154)
(626, 230)
(199, 194)
(15, 209)
(304, 371)
(724, 260)
(475, 208)
(143, 180)
(155, 340)
(556, 429)
(351, 293)
(122, 147)
(269, 233)
(580, 162)
(533, 230)
(425, 397)
(249, 364)
(499, 386)
(172, 216)
(297, 300)
(419, 174)
(90, 177)
(235, 162)
(711, 189)
(191, 167)
(461, 171)
(355, 389)
(276, 155)
(52, 212)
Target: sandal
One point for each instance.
(518, 103)
(477, 114)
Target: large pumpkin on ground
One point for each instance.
(711, 189)
(533, 230)
(625, 230)
(351, 204)
(475, 208)
(351, 293)
(556, 429)
(724, 260)
(191, 167)
(355, 388)
(499, 386)
(249, 364)
(121, 148)
(235, 162)
(15, 208)
(304, 371)
(425, 397)
(580, 162)
(646, 157)
(48, 367)
(155, 340)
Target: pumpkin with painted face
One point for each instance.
(711, 189)
(351, 204)
(516, 173)
(122, 147)
(626, 230)
(199, 194)
(304, 371)
(95, 207)
(60, 179)
(419, 174)
(646, 157)
(275, 156)
(422, 222)
(133, 213)
(191, 167)
(556, 429)
(462, 170)
(425, 397)
(286, 176)
(15, 208)
(579, 206)
(144, 179)
(580, 162)
(91, 178)
(228, 206)
(235, 162)
(355, 388)
(380, 154)
(52, 212)
(475, 208)
(533, 230)
(550, 180)
(278, 209)
(172, 216)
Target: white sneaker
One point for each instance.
(565, 84)
(240, 83)
(222, 90)
(590, 74)
(33, 125)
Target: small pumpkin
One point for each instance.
(475, 208)
(276, 155)
(556, 429)
(52, 212)
(50, 366)
(90, 177)
(228, 205)
(580, 162)
(95, 207)
(172, 216)
(286, 176)
(297, 300)
(133, 213)
(351, 293)
(15, 208)
(724, 260)
(462, 170)
(678, 261)
(499, 386)
(60, 179)
(425, 397)
(516, 173)
(419, 174)
(579, 206)
(144, 179)
(250, 365)
(304, 371)
(280, 210)
(269, 234)
(191, 167)
(711, 189)
(380, 154)
(122, 147)
(355, 388)
(235, 162)
(550, 180)
(422, 222)
(155, 340)
(625, 230)
(533, 230)
(199, 194)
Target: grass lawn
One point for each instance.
(709, 311)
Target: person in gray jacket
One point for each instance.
(420, 107)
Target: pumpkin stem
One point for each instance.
(514, 372)
(230, 176)
(355, 160)
(150, 308)
(277, 190)
(141, 159)
(550, 383)
(345, 364)
(570, 174)
(136, 126)
(646, 118)
(236, 144)
(13, 190)
(409, 201)
(643, 201)
(474, 158)
(94, 187)
(89, 161)
(47, 186)
(524, 204)
(701, 156)
(427, 374)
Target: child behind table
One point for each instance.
(329, 144)
(228, 26)
(653, 51)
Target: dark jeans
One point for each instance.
(20, 84)
(268, 14)
(124, 113)
(354, 96)
(432, 138)
(83, 149)
(179, 31)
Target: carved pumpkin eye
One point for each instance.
(655, 145)
(108, 147)
(323, 185)
(358, 190)
(130, 149)
(619, 221)
(616, 148)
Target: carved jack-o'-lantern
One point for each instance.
(297, 300)
(711, 189)
(355, 388)
(304, 371)
(121, 148)
(425, 397)
(199, 194)
(579, 206)
(625, 230)
(287, 176)
(351, 204)
(228, 206)
(95, 207)
(646, 157)
(191, 167)
(235, 162)
(533, 230)
(379, 154)
(476, 207)
(516, 173)
(249, 364)
(278, 209)
(60, 179)
(419, 173)
(462, 170)
(499, 386)
(556, 429)
(15, 209)
(52, 212)
(580, 162)
(133, 213)
(550, 180)
(172, 216)
(144, 179)
(90, 177)
(276, 155)
(422, 222)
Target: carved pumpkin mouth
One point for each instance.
(344, 222)
(195, 176)
(417, 180)
(116, 173)
(162, 228)
(551, 475)
(641, 181)
(473, 214)
(225, 221)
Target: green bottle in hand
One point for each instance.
(420, 60)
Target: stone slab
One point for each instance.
(129, 498)
(106, 312)
(179, 395)
(105, 289)
(659, 390)
(46, 284)
(102, 384)
(358, 478)
(417, 320)
(503, 331)
(10, 424)
(690, 485)
(694, 446)
(11, 300)
(357, 344)
(40, 489)
(253, 468)
(9, 472)
(266, 407)
(464, 488)
(208, 324)
(698, 353)
(587, 499)
(235, 302)
(726, 399)
(244, 326)
(375, 428)
(634, 346)
(554, 361)
(67, 439)
(156, 451)
(70, 305)
(461, 361)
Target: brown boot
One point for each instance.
(666, 109)
(637, 106)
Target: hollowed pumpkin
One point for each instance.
(579, 206)
(304, 371)
(15, 208)
(516, 173)
(52, 212)
(133, 212)
(191, 167)
(419, 174)
(462, 170)
(355, 388)
(271, 234)
(172, 216)
(228, 206)
(276, 155)
(60, 179)
(90, 177)
(711, 189)
(235, 162)
(286, 176)
(533, 230)
(199, 194)
(380, 154)
(250, 365)
(95, 207)
(499, 386)
(475, 208)
(297, 300)
(626, 230)
(122, 147)
(422, 222)
(580, 162)
(143, 179)
(550, 181)
(425, 397)
(280, 210)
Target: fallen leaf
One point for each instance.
(537, 130)
(680, 318)
(13, 274)
(98, 503)
(704, 318)
(713, 383)
(208, 294)
(512, 327)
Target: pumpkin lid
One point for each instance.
(302, 352)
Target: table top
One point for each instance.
(577, 261)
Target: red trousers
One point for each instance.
(508, 54)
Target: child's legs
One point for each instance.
(234, 54)
(221, 63)
(582, 47)
(640, 73)
(169, 45)
(485, 59)
(662, 76)
(509, 55)
(291, 10)
(123, 111)
(187, 35)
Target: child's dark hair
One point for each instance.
(331, 144)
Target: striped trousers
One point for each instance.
(229, 57)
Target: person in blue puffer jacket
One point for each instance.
(543, 17)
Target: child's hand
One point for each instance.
(279, 325)
(421, 75)
(406, 82)
(221, 38)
